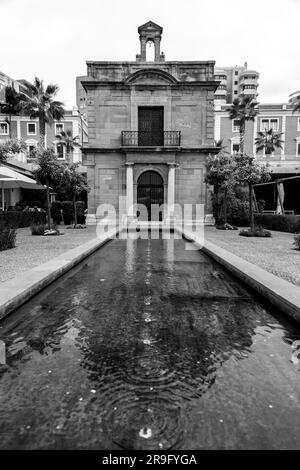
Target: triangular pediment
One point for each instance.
(150, 26)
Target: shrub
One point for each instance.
(237, 207)
(238, 211)
(80, 208)
(257, 232)
(7, 237)
(297, 242)
(226, 227)
(21, 219)
(68, 212)
(282, 223)
(56, 212)
(51, 232)
(38, 229)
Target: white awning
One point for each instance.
(12, 179)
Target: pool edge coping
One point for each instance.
(18, 290)
(277, 291)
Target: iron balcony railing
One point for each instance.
(150, 139)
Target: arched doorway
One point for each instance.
(150, 190)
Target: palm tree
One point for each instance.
(243, 109)
(67, 139)
(39, 104)
(219, 143)
(296, 103)
(269, 140)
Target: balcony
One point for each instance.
(150, 139)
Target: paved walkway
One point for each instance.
(34, 250)
(275, 254)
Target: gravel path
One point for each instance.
(31, 250)
(275, 254)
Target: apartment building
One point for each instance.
(234, 82)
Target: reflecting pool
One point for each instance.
(146, 345)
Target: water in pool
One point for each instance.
(149, 346)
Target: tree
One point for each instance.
(49, 172)
(10, 107)
(219, 174)
(295, 101)
(75, 182)
(67, 139)
(268, 140)
(11, 147)
(248, 171)
(219, 143)
(39, 104)
(243, 109)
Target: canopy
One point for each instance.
(12, 179)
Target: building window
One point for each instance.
(3, 128)
(298, 149)
(235, 82)
(31, 128)
(31, 149)
(59, 128)
(235, 148)
(60, 150)
(235, 92)
(236, 72)
(235, 125)
(298, 126)
(267, 124)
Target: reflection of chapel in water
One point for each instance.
(151, 127)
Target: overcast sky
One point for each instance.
(53, 38)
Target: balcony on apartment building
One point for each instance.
(249, 90)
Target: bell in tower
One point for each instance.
(150, 32)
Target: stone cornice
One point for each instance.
(141, 150)
(89, 84)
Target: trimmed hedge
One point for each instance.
(80, 207)
(281, 223)
(56, 212)
(297, 242)
(20, 219)
(68, 212)
(7, 237)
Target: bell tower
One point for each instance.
(150, 32)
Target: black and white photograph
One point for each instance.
(149, 230)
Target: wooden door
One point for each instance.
(151, 126)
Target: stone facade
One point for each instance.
(115, 93)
